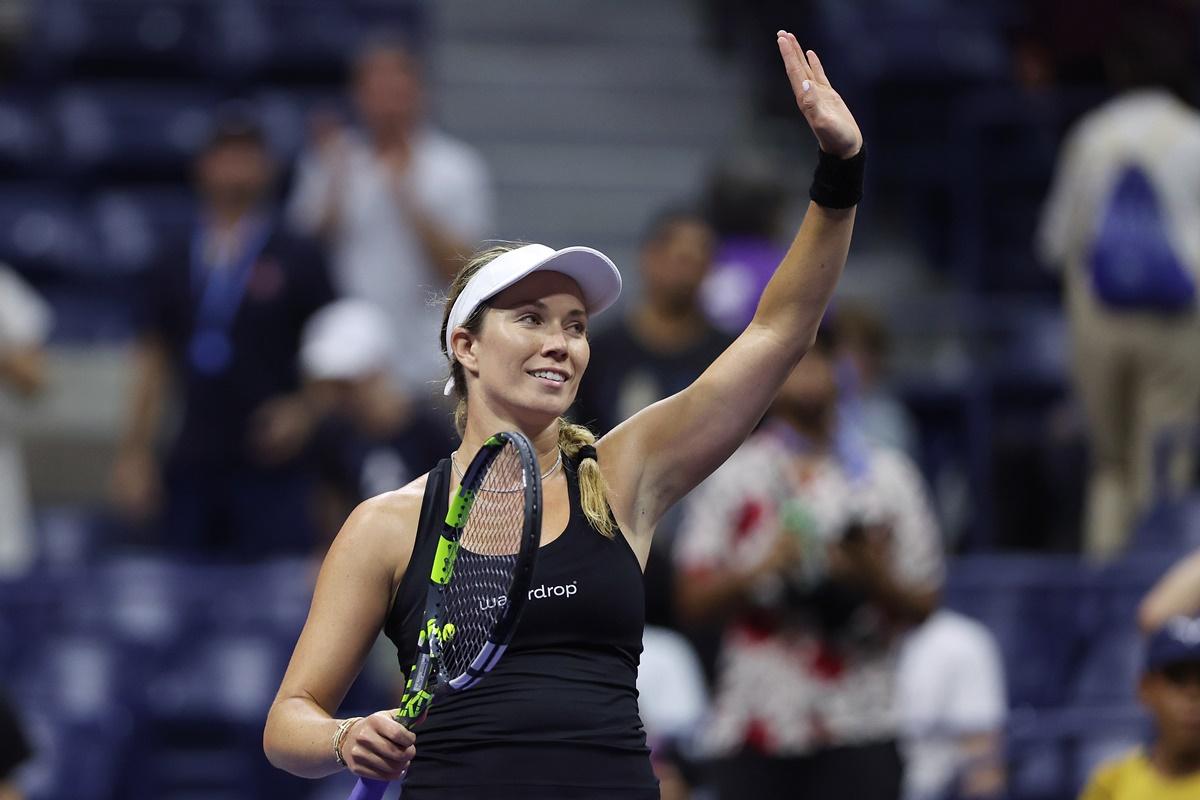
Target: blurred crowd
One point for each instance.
(818, 621)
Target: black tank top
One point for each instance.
(558, 716)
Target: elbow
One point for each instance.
(275, 747)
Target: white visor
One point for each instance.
(595, 273)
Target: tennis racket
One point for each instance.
(479, 581)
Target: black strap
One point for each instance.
(435, 500)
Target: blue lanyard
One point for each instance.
(223, 286)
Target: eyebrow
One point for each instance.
(540, 306)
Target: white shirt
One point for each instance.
(1149, 128)
(25, 321)
(672, 697)
(950, 683)
(376, 253)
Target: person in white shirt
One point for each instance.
(1123, 221)
(25, 322)
(952, 704)
(399, 203)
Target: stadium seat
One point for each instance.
(132, 224)
(114, 131)
(309, 41)
(1031, 606)
(27, 149)
(123, 37)
(40, 228)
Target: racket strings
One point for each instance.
(489, 544)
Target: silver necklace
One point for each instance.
(553, 468)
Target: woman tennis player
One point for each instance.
(558, 716)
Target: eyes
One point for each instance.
(574, 326)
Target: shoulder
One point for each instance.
(384, 528)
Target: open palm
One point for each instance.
(831, 121)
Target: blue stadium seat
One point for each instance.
(74, 758)
(27, 148)
(132, 224)
(40, 228)
(310, 40)
(123, 37)
(1031, 606)
(133, 130)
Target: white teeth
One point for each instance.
(553, 376)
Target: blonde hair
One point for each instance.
(593, 489)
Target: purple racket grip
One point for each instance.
(368, 789)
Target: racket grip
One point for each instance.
(368, 789)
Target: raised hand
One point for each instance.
(831, 121)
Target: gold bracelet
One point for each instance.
(338, 736)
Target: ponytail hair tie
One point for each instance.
(587, 451)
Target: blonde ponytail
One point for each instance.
(593, 489)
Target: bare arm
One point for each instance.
(135, 484)
(1177, 592)
(151, 374)
(353, 593)
(660, 454)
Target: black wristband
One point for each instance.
(838, 182)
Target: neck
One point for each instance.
(389, 136)
(668, 328)
(1175, 760)
(481, 425)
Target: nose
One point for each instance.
(554, 342)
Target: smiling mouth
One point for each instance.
(550, 375)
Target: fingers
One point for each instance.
(817, 68)
(380, 747)
(390, 729)
(369, 765)
(793, 59)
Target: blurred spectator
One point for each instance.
(950, 691)
(673, 701)
(665, 341)
(815, 555)
(377, 438)
(863, 342)
(400, 203)
(1123, 219)
(745, 200)
(25, 322)
(14, 750)
(223, 319)
(1177, 592)
(1169, 769)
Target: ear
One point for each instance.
(463, 344)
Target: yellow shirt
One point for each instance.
(1133, 777)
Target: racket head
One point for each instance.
(481, 572)
(497, 544)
